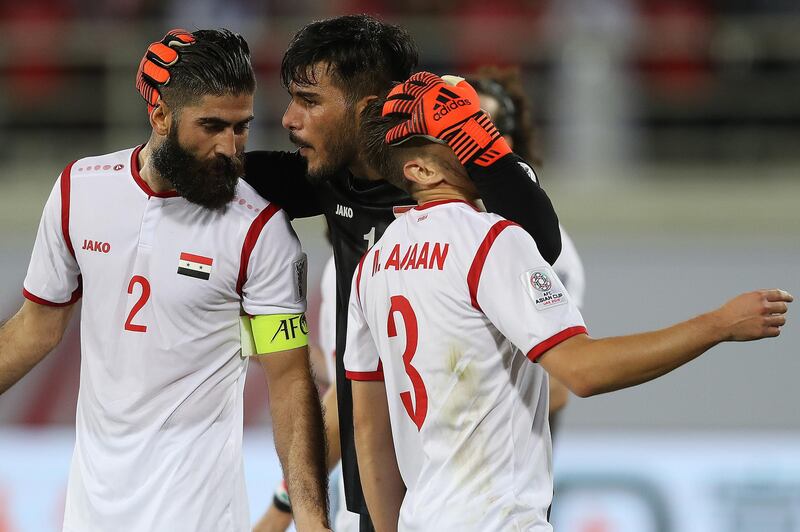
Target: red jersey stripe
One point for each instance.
(66, 185)
(364, 375)
(76, 295)
(197, 258)
(474, 274)
(250, 242)
(543, 347)
(142, 183)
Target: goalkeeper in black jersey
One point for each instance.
(331, 69)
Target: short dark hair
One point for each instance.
(386, 160)
(217, 63)
(364, 55)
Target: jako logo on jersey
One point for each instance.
(341, 210)
(289, 327)
(447, 101)
(96, 245)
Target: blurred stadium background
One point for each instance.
(670, 132)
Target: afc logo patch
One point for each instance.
(544, 288)
(300, 278)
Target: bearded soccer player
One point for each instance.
(168, 247)
(331, 69)
(455, 320)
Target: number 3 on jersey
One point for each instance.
(403, 306)
(137, 279)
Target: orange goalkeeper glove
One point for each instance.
(445, 110)
(153, 71)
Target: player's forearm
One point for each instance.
(25, 340)
(330, 413)
(507, 189)
(300, 443)
(377, 461)
(608, 364)
(559, 396)
(380, 478)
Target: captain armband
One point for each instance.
(262, 335)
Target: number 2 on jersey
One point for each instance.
(129, 325)
(403, 306)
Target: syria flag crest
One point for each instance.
(196, 266)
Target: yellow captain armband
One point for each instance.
(262, 335)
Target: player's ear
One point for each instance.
(161, 118)
(361, 105)
(419, 170)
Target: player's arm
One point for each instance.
(590, 366)
(559, 396)
(27, 337)
(299, 437)
(51, 288)
(377, 462)
(507, 189)
(278, 516)
(506, 184)
(281, 177)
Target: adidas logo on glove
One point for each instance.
(447, 101)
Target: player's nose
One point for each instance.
(290, 118)
(226, 144)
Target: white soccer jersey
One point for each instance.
(159, 415)
(450, 307)
(569, 269)
(327, 317)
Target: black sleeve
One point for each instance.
(280, 176)
(507, 189)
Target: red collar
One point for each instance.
(142, 183)
(435, 203)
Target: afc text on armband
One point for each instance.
(288, 328)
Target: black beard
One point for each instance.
(341, 147)
(211, 184)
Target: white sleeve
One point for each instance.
(569, 269)
(523, 297)
(53, 276)
(361, 360)
(276, 272)
(327, 317)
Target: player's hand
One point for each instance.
(446, 110)
(274, 520)
(754, 315)
(153, 72)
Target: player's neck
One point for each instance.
(148, 172)
(442, 192)
(361, 170)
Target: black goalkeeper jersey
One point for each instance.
(357, 213)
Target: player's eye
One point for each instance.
(241, 128)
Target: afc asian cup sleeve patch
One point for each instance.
(545, 288)
(300, 278)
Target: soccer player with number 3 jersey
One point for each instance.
(455, 321)
(168, 247)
